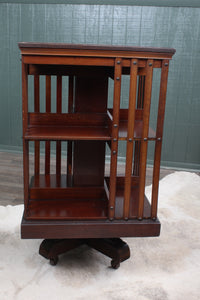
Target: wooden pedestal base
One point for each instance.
(114, 248)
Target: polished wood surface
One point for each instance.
(159, 134)
(66, 209)
(61, 125)
(37, 110)
(144, 143)
(94, 47)
(94, 50)
(58, 229)
(83, 192)
(114, 248)
(130, 138)
(115, 133)
(66, 133)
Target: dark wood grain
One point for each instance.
(114, 248)
(90, 229)
(83, 202)
(68, 60)
(130, 136)
(25, 125)
(144, 142)
(93, 47)
(90, 96)
(70, 143)
(67, 133)
(140, 106)
(58, 110)
(67, 119)
(36, 110)
(159, 134)
(114, 142)
(48, 110)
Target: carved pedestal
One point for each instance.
(114, 248)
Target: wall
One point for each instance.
(177, 27)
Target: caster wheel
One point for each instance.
(54, 261)
(115, 264)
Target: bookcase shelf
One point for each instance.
(52, 198)
(62, 133)
(75, 126)
(67, 209)
(82, 201)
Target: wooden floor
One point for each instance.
(11, 177)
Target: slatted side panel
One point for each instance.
(144, 142)
(115, 130)
(130, 136)
(159, 134)
(58, 110)
(37, 110)
(69, 143)
(48, 109)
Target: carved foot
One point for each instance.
(50, 249)
(114, 248)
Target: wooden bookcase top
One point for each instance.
(32, 48)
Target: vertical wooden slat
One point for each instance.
(159, 134)
(69, 143)
(144, 142)
(25, 125)
(130, 135)
(115, 130)
(140, 102)
(48, 109)
(59, 110)
(136, 158)
(37, 109)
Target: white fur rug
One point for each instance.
(166, 267)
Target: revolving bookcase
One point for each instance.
(65, 104)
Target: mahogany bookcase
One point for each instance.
(82, 204)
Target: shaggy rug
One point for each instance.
(166, 267)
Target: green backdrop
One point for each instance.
(167, 26)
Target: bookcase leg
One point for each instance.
(50, 249)
(114, 248)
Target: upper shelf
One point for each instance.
(81, 126)
(67, 133)
(138, 125)
(71, 126)
(123, 125)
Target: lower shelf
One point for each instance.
(82, 212)
(59, 209)
(52, 199)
